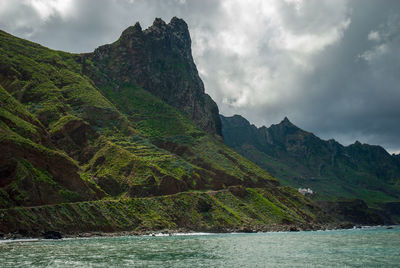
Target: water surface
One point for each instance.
(369, 247)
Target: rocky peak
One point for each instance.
(284, 128)
(175, 25)
(158, 29)
(159, 23)
(237, 130)
(359, 147)
(178, 24)
(132, 31)
(159, 59)
(236, 121)
(286, 122)
(174, 35)
(128, 36)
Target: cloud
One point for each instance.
(262, 49)
(47, 8)
(356, 86)
(374, 36)
(330, 66)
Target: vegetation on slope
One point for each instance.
(68, 137)
(234, 209)
(300, 159)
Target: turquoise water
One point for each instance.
(370, 247)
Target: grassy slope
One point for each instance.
(115, 144)
(165, 126)
(26, 177)
(233, 209)
(328, 186)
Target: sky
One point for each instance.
(331, 66)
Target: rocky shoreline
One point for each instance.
(55, 235)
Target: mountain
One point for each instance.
(125, 139)
(300, 159)
(158, 59)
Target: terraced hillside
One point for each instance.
(87, 143)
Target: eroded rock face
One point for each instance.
(159, 59)
(33, 177)
(74, 139)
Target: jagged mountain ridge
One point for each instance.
(158, 59)
(76, 129)
(301, 159)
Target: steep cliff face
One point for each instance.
(158, 59)
(301, 159)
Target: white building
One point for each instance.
(306, 191)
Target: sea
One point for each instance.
(361, 247)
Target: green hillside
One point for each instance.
(82, 146)
(300, 159)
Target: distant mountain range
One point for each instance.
(300, 159)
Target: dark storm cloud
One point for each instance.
(83, 25)
(355, 92)
(331, 66)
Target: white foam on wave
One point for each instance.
(20, 240)
(180, 234)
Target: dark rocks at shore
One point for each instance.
(346, 225)
(52, 235)
(356, 212)
(244, 229)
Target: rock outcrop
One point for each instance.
(158, 59)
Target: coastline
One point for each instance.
(41, 236)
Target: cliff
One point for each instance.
(158, 59)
